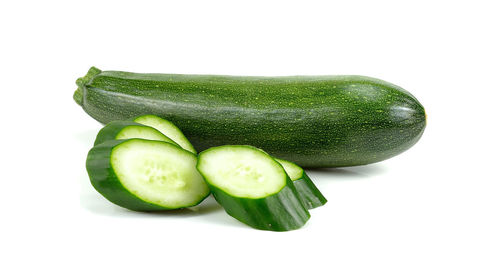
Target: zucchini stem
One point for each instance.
(78, 96)
(81, 82)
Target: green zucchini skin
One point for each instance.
(309, 194)
(113, 128)
(104, 179)
(282, 211)
(314, 121)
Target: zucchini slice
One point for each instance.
(121, 130)
(252, 187)
(145, 175)
(168, 128)
(309, 194)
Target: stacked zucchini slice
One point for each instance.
(147, 164)
(140, 168)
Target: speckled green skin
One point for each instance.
(113, 128)
(314, 121)
(309, 194)
(104, 179)
(281, 211)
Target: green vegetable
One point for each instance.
(252, 187)
(120, 130)
(314, 121)
(309, 194)
(167, 128)
(145, 175)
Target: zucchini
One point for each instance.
(168, 128)
(252, 187)
(313, 121)
(120, 130)
(309, 194)
(145, 175)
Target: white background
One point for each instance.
(436, 206)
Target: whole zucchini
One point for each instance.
(314, 121)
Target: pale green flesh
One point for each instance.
(242, 171)
(167, 128)
(294, 171)
(142, 133)
(159, 173)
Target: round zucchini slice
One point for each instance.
(146, 175)
(168, 128)
(252, 187)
